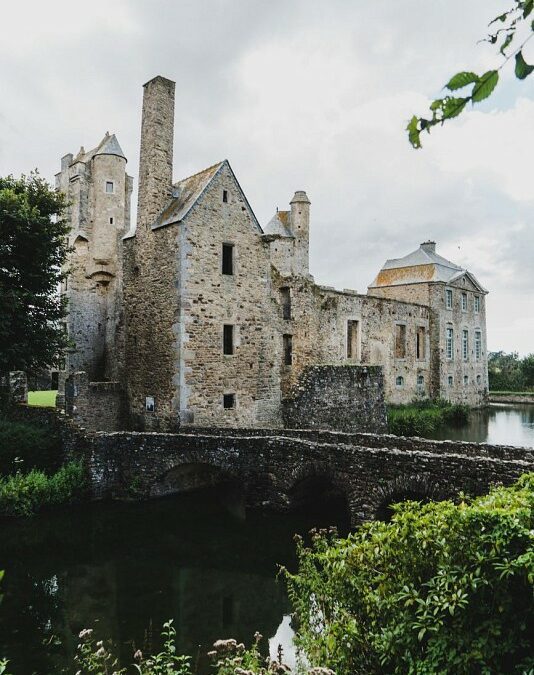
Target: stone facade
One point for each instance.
(95, 406)
(207, 319)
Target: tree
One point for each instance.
(442, 588)
(527, 370)
(506, 28)
(33, 248)
(505, 371)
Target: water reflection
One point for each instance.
(497, 424)
(124, 569)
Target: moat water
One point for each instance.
(498, 424)
(124, 569)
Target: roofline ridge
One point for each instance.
(218, 164)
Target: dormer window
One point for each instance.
(109, 187)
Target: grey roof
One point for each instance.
(109, 145)
(433, 268)
(185, 193)
(279, 224)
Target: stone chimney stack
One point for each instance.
(155, 163)
(429, 246)
(300, 228)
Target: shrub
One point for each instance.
(27, 446)
(25, 494)
(442, 588)
(424, 418)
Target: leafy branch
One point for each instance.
(482, 86)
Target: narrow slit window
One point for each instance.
(288, 350)
(353, 329)
(225, 196)
(111, 221)
(420, 343)
(285, 300)
(228, 401)
(228, 339)
(228, 259)
(400, 341)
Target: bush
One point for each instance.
(26, 446)
(442, 588)
(25, 494)
(424, 418)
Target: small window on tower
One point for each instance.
(228, 259)
(228, 401)
(225, 196)
(111, 221)
(109, 187)
(288, 350)
(353, 329)
(228, 339)
(285, 299)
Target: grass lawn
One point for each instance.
(511, 393)
(42, 398)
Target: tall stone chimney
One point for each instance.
(155, 163)
(300, 227)
(429, 246)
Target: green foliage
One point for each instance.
(442, 588)
(481, 86)
(424, 418)
(96, 657)
(507, 372)
(33, 249)
(25, 446)
(25, 494)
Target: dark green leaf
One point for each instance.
(522, 68)
(501, 18)
(453, 107)
(413, 132)
(507, 42)
(461, 80)
(527, 8)
(485, 87)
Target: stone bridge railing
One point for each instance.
(371, 471)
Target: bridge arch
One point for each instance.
(316, 487)
(188, 476)
(418, 488)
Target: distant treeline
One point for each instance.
(507, 372)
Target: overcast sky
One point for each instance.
(299, 94)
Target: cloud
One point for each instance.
(298, 95)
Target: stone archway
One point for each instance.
(192, 476)
(405, 488)
(317, 489)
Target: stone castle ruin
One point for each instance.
(203, 317)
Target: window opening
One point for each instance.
(228, 401)
(477, 304)
(400, 341)
(353, 329)
(288, 350)
(465, 344)
(228, 339)
(448, 298)
(450, 380)
(464, 302)
(478, 344)
(449, 343)
(109, 187)
(399, 381)
(466, 380)
(111, 221)
(228, 259)
(420, 343)
(225, 196)
(285, 299)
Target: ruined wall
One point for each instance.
(344, 398)
(95, 406)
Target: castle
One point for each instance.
(203, 317)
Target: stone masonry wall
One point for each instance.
(95, 406)
(344, 398)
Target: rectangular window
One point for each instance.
(353, 339)
(288, 350)
(464, 302)
(285, 300)
(111, 221)
(449, 342)
(465, 344)
(225, 196)
(228, 259)
(400, 341)
(466, 380)
(420, 381)
(478, 344)
(228, 339)
(420, 343)
(109, 187)
(450, 380)
(477, 304)
(448, 298)
(228, 401)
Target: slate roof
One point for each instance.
(423, 265)
(109, 145)
(279, 224)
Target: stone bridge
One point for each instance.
(281, 469)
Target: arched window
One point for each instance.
(399, 381)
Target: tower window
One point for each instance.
(450, 380)
(420, 380)
(228, 259)
(288, 350)
(109, 187)
(466, 380)
(225, 196)
(399, 381)
(448, 298)
(111, 221)
(353, 328)
(285, 300)
(228, 401)
(228, 339)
